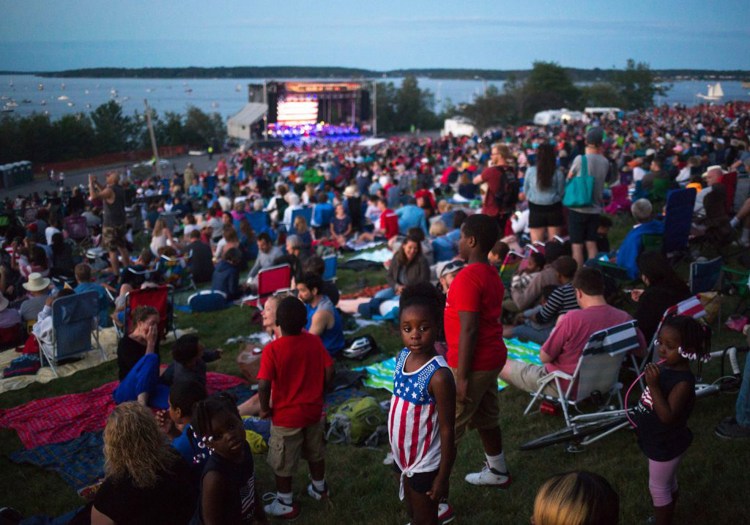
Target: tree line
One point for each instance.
(547, 86)
(106, 129)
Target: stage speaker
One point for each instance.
(364, 105)
(273, 99)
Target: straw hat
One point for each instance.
(36, 283)
(3, 302)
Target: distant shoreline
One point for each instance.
(300, 72)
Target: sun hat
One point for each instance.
(713, 168)
(36, 282)
(447, 267)
(3, 302)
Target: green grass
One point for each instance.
(713, 475)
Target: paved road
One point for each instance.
(73, 178)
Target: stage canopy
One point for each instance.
(239, 125)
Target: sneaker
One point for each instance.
(316, 495)
(730, 429)
(279, 509)
(388, 459)
(489, 477)
(445, 513)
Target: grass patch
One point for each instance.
(365, 491)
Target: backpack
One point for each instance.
(506, 196)
(356, 422)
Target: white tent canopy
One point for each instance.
(373, 141)
(239, 125)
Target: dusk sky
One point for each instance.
(50, 35)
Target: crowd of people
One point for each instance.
(451, 210)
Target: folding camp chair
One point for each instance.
(270, 280)
(678, 220)
(161, 298)
(652, 242)
(207, 301)
(258, 220)
(304, 212)
(509, 267)
(691, 307)
(705, 276)
(596, 373)
(74, 321)
(331, 265)
(620, 201)
(734, 283)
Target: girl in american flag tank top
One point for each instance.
(422, 414)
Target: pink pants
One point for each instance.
(662, 480)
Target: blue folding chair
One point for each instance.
(678, 220)
(258, 220)
(305, 212)
(74, 321)
(705, 275)
(331, 265)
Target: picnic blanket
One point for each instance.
(62, 418)
(379, 256)
(80, 461)
(380, 375)
(108, 340)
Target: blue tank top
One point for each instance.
(333, 338)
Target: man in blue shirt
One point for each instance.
(632, 244)
(86, 284)
(411, 216)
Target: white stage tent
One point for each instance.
(239, 125)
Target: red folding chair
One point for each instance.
(160, 297)
(270, 280)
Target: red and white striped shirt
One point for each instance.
(413, 420)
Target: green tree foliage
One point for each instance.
(492, 108)
(636, 85)
(547, 86)
(104, 130)
(601, 94)
(400, 109)
(112, 129)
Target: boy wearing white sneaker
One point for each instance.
(476, 351)
(297, 369)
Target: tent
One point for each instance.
(239, 125)
(458, 127)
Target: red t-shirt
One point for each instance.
(492, 176)
(295, 365)
(389, 223)
(477, 288)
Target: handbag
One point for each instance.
(580, 189)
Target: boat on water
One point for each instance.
(12, 104)
(746, 84)
(40, 87)
(26, 101)
(43, 102)
(714, 94)
(62, 97)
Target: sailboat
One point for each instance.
(714, 93)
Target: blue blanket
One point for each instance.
(380, 375)
(80, 461)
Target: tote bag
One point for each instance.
(580, 189)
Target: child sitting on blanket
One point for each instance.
(176, 422)
(189, 361)
(535, 264)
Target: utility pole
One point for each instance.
(153, 138)
(374, 108)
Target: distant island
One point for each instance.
(321, 72)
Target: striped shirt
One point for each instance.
(561, 301)
(413, 420)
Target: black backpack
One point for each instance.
(506, 196)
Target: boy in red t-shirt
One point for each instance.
(297, 369)
(476, 351)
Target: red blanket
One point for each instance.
(62, 418)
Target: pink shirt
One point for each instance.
(565, 344)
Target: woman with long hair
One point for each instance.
(145, 479)
(160, 237)
(544, 186)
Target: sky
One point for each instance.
(54, 35)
